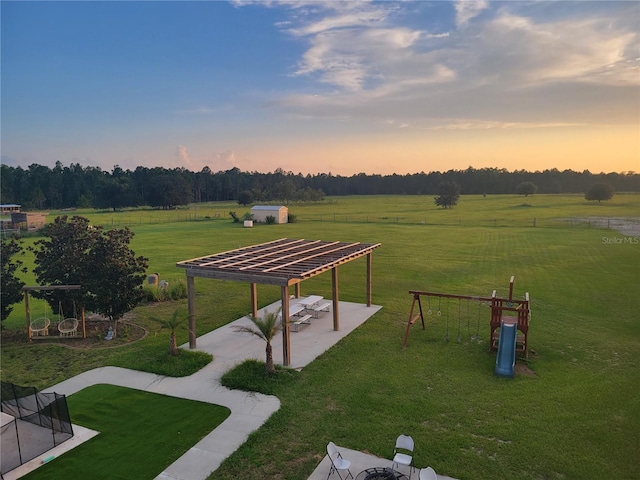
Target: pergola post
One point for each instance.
(27, 309)
(286, 339)
(297, 290)
(369, 275)
(191, 302)
(336, 301)
(254, 300)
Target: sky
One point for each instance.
(341, 87)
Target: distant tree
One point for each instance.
(10, 284)
(168, 191)
(448, 194)
(115, 193)
(267, 328)
(599, 192)
(245, 198)
(526, 189)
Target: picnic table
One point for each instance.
(294, 310)
(310, 301)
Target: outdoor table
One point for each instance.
(310, 300)
(294, 310)
(380, 473)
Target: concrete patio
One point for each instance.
(359, 462)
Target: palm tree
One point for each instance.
(267, 328)
(172, 324)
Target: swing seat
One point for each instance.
(68, 327)
(40, 327)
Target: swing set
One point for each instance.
(67, 327)
(504, 311)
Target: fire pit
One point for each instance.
(380, 473)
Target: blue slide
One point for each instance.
(506, 360)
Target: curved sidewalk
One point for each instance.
(248, 410)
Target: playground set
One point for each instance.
(67, 326)
(509, 322)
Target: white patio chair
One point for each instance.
(403, 453)
(337, 462)
(428, 474)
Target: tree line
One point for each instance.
(38, 187)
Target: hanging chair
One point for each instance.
(68, 327)
(40, 327)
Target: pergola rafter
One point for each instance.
(285, 262)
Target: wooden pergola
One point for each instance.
(285, 262)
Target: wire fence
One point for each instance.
(629, 226)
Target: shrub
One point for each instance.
(235, 217)
(177, 290)
(270, 220)
(291, 218)
(151, 293)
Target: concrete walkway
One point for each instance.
(248, 410)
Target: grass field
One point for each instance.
(576, 417)
(172, 426)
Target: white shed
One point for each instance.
(261, 212)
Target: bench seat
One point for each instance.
(321, 308)
(304, 320)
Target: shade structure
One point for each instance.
(285, 262)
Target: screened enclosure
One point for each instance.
(32, 424)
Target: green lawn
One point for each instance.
(141, 433)
(577, 417)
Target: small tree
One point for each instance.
(172, 324)
(526, 189)
(599, 192)
(100, 261)
(267, 328)
(118, 274)
(10, 285)
(448, 194)
(62, 258)
(245, 198)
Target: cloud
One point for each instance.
(507, 65)
(518, 49)
(222, 161)
(362, 18)
(183, 156)
(468, 9)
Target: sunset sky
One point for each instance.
(319, 87)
